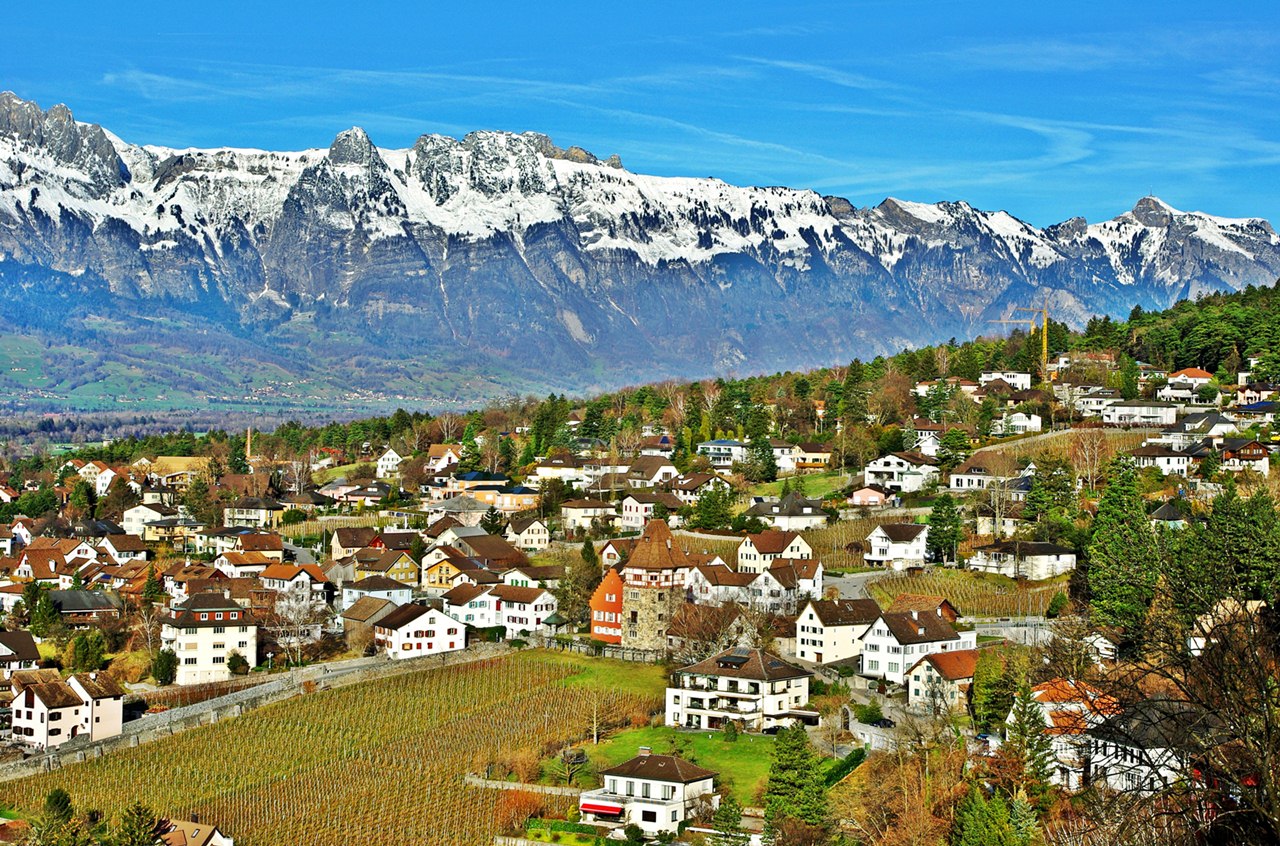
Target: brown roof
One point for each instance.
(126, 543)
(29, 678)
(402, 616)
(919, 602)
(725, 576)
(372, 584)
(586, 503)
(260, 542)
(660, 768)
(902, 532)
(921, 628)
(954, 666)
(846, 612)
(399, 540)
(355, 538)
(246, 559)
(21, 644)
(521, 595)
(55, 694)
(464, 593)
(439, 527)
(99, 685)
(789, 571)
(185, 832)
(493, 548)
(365, 608)
(657, 550)
(670, 500)
(742, 663)
(772, 542)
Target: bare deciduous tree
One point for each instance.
(1089, 453)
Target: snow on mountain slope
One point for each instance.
(499, 240)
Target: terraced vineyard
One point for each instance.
(975, 594)
(377, 763)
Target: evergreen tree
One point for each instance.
(44, 617)
(527, 455)
(764, 465)
(506, 454)
(983, 822)
(910, 437)
(57, 825)
(86, 652)
(1023, 821)
(728, 823)
(989, 695)
(152, 591)
(589, 556)
(953, 448)
(796, 789)
(945, 531)
(1026, 744)
(1122, 553)
(164, 667)
(491, 521)
(713, 509)
(137, 827)
(470, 459)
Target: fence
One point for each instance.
(494, 784)
(620, 653)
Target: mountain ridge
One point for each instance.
(502, 251)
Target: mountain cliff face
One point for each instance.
(502, 250)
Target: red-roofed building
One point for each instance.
(606, 608)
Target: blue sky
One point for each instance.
(1046, 110)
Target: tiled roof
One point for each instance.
(660, 768)
(743, 663)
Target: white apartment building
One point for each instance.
(748, 686)
(203, 632)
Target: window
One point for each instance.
(190, 662)
(219, 629)
(649, 816)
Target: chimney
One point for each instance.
(195, 818)
(644, 751)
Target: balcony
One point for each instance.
(602, 798)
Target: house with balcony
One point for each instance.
(203, 632)
(897, 545)
(751, 687)
(902, 472)
(898, 639)
(655, 792)
(723, 453)
(757, 552)
(1019, 559)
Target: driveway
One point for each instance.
(852, 586)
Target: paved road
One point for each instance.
(301, 554)
(853, 586)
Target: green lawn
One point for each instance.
(743, 764)
(815, 484)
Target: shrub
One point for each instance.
(868, 713)
(237, 664)
(293, 516)
(164, 667)
(519, 644)
(1056, 605)
(730, 731)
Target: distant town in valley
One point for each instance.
(1012, 590)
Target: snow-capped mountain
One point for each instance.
(505, 248)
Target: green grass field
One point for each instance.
(743, 764)
(816, 485)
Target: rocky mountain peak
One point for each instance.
(1153, 212)
(352, 146)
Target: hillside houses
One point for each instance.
(902, 472)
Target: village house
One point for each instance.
(296, 578)
(939, 682)
(1169, 461)
(346, 541)
(378, 587)
(389, 464)
(902, 472)
(266, 544)
(441, 457)
(1071, 709)
(125, 548)
(606, 608)
(191, 832)
(364, 613)
(492, 551)
(794, 513)
(723, 453)
(1140, 413)
(530, 534)
(812, 457)
(897, 545)
(650, 471)
(827, 630)
(240, 565)
(751, 687)
(897, 639)
(474, 605)
(412, 631)
(18, 651)
(1018, 423)
(870, 496)
(658, 793)
(48, 711)
(639, 508)
(254, 511)
(1146, 748)
(203, 632)
(983, 470)
(690, 486)
(718, 585)
(1017, 559)
(1016, 379)
(654, 576)
(579, 515)
(523, 610)
(756, 552)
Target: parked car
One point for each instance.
(884, 723)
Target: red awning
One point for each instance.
(599, 808)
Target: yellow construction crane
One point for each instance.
(1030, 322)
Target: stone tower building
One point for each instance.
(653, 578)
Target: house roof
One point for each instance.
(464, 593)
(1190, 373)
(82, 601)
(353, 538)
(585, 504)
(99, 685)
(1157, 723)
(493, 548)
(57, 694)
(660, 768)
(366, 607)
(460, 505)
(125, 543)
(920, 628)
(186, 832)
(260, 542)
(520, 595)
(725, 576)
(402, 616)
(1168, 513)
(519, 525)
(187, 615)
(902, 532)
(257, 503)
(656, 549)
(788, 572)
(670, 500)
(376, 584)
(743, 663)
(953, 666)
(920, 602)
(845, 612)
(772, 542)
(289, 572)
(18, 646)
(792, 505)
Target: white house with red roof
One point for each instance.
(412, 631)
(1071, 708)
(757, 552)
(655, 792)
